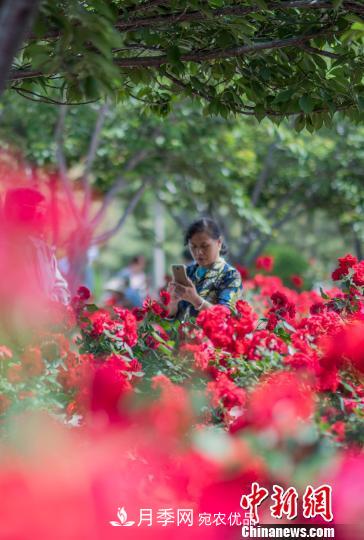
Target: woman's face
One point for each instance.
(204, 249)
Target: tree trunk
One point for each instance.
(16, 17)
(158, 251)
(77, 260)
(358, 248)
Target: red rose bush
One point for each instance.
(130, 407)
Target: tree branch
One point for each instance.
(136, 198)
(264, 175)
(200, 93)
(119, 184)
(320, 52)
(200, 16)
(289, 214)
(127, 24)
(90, 158)
(147, 5)
(62, 164)
(293, 213)
(45, 99)
(285, 198)
(178, 218)
(218, 54)
(203, 56)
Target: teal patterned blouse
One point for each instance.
(219, 284)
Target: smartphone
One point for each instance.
(180, 274)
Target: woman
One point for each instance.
(212, 279)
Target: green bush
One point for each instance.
(288, 262)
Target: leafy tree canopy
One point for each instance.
(255, 179)
(253, 57)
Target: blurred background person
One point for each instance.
(130, 285)
(28, 264)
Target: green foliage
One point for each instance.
(208, 166)
(288, 261)
(265, 59)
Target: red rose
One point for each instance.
(345, 347)
(338, 429)
(135, 366)
(272, 322)
(316, 308)
(291, 310)
(225, 391)
(109, 386)
(265, 262)
(156, 308)
(279, 299)
(165, 297)
(83, 292)
(297, 281)
(348, 261)
(339, 273)
(151, 342)
(243, 271)
(345, 263)
(280, 401)
(243, 308)
(139, 313)
(358, 276)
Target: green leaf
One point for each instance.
(280, 332)
(288, 326)
(102, 44)
(173, 54)
(91, 87)
(299, 123)
(306, 104)
(360, 100)
(91, 308)
(323, 294)
(283, 96)
(317, 120)
(259, 112)
(105, 10)
(216, 3)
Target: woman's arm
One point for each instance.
(231, 289)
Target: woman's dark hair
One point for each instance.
(208, 226)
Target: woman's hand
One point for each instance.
(187, 293)
(175, 298)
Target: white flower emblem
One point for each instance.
(123, 519)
